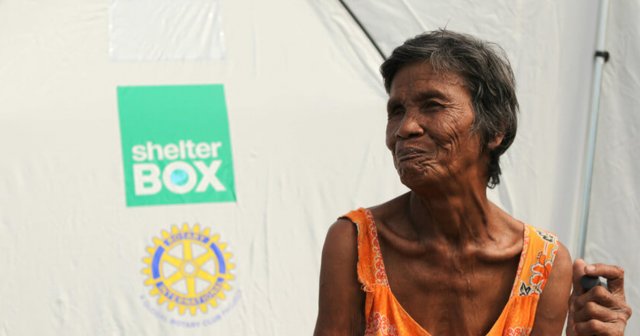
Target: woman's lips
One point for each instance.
(405, 154)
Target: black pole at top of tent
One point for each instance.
(364, 30)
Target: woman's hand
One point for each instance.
(598, 311)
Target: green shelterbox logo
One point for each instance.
(175, 144)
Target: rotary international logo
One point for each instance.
(188, 269)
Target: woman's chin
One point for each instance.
(418, 179)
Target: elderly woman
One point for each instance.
(442, 259)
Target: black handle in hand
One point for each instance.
(587, 282)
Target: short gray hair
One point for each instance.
(486, 73)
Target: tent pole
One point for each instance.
(364, 30)
(601, 56)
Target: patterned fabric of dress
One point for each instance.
(385, 316)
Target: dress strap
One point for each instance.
(542, 250)
(370, 267)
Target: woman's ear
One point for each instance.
(496, 141)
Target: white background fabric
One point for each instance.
(155, 30)
(614, 221)
(307, 114)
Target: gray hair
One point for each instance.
(486, 73)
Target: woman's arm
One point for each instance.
(553, 304)
(341, 305)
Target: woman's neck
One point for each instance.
(459, 216)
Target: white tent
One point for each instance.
(306, 116)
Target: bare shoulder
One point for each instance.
(341, 301)
(514, 226)
(554, 300)
(341, 236)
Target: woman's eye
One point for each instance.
(431, 106)
(395, 111)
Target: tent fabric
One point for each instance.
(164, 36)
(613, 222)
(306, 114)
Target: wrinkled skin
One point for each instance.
(599, 311)
(429, 129)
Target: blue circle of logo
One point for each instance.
(179, 177)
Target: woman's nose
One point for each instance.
(409, 126)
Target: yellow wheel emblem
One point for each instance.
(189, 269)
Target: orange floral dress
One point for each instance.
(386, 317)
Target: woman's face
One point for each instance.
(429, 133)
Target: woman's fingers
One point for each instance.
(599, 311)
